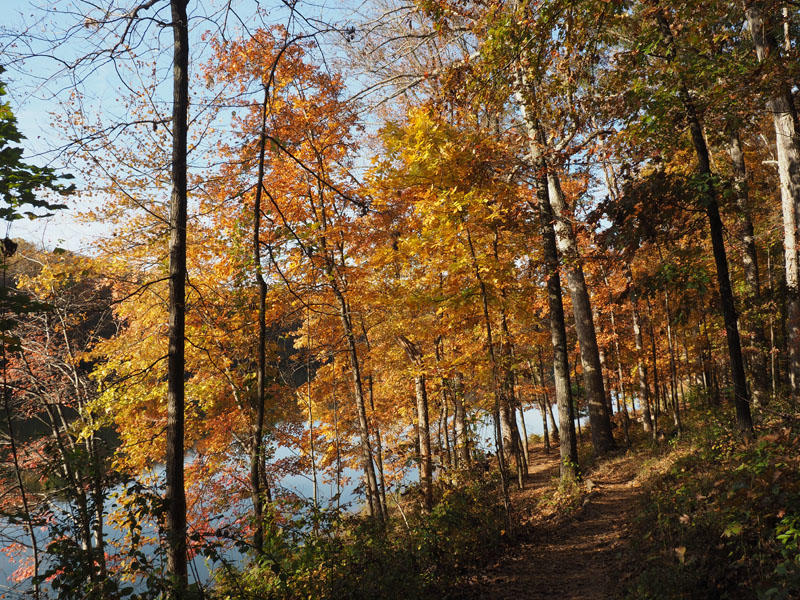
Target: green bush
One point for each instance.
(415, 555)
(720, 524)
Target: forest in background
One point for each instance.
(358, 237)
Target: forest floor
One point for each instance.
(578, 551)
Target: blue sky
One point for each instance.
(35, 94)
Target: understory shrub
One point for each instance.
(415, 555)
(724, 521)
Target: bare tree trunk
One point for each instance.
(26, 508)
(311, 443)
(338, 450)
(603, 373)
(378, 450)
(568, 444)
(501, 462)
(553, 427)
(258, 402)
(175, 492)
(445, 418)
(558, 332)
(711, 206)
(676, 414)
(373, 494)
(524, 435)
(602, 439)
(758, 363)
(461, 442)
(787, 142)
(537, 378)
(376, 427)
(423, 425)
(426, 467)
(545, 432)
(548, 405)
(626, 422)
(641, 367)
(773, 350)
(508, 422)
(654, 357)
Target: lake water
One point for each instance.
(300, 485)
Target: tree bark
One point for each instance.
(787, 142)
(602, 439)
(523, 435)
(508, 422)
(558, 333)
(378, 436)
(423, 424)
(641, 367)
(257, 405)
(501, 462)
(373, 495)
(568, 444)
(426, 466)
(175, 492)
(709, 200)
(676, 414)
(758, 362)
(461, 442)
(378, 448)
(657, 396)
(622, 401)
(545, 396)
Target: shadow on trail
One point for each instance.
(581, 557)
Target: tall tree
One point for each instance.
(764, 23)
(176, 365)
(708, 193)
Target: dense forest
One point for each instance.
(512, 285)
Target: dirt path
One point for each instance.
(576, 558)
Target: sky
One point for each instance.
(36, 95)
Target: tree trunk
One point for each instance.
(758, 362)
(498, 438)
(524, 436)
(787, 142)
(378, 450)
(676, 414)
(461, 442)
(548, 405)
(626, 420)
(27, 519)
(558, 332)
(654, 357)
(709, 200)
(338, 449)
(258, 402)
(602, 439)
(423, 424)
(604, 373)
(444, 429)
(175, 492)
(378, 437)
(508, 422)
(641, 367)
(373, 495)
(773, 349)
(568, 444)
(545, 432)
(426, 467)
